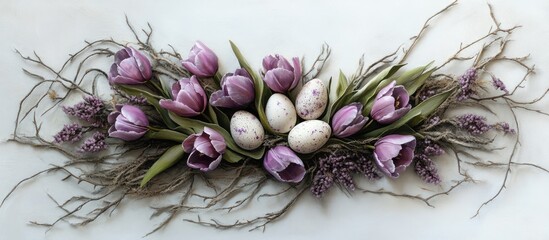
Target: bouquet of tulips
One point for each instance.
(172, 121)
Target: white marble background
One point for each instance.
(293, 28)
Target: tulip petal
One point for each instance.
(121, 55)
(218, 99)
(279, 80)
(386, 151)
(386, 91)
(178, 108)
(204, 146)
(400, 93)
(128, 68)
(352, 129)
(284, 64)
(143, 64)
(297, 72)
(134, 115)
(397, 139)
(188, 143)
(207, 63)
(382, 107)
(292, 173)
(269, 62)
(202, 162)
(240, 89)
(127, 136)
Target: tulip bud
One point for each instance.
(391, 103)
(206, 149)
(130, 67)
(284, 164)
(237, 90)
(202, 61)
(189, 98)
(348, 120)
(280, 76)
(128, 123)
(393, 153)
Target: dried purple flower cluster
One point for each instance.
(467, 83)
(95, 143)
(137, 100)
(504, 127)
(339, 167)
(69, 133)
(474, 124)
(427, 93)
(499, 85)
(425, 168)
(90, 110)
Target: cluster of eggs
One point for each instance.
(305, 137)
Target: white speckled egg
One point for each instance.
(311, 100)
(246, 130)
(309, 136)
(280, 113)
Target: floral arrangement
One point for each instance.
(173, 124)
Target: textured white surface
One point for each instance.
(292, 28)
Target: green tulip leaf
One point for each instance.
(166, 134)
(168, 159)
(261, 92)
(342, 84)
(232, 157)
(412, 74)
(370, 86)
(198, 126)
(414, 85)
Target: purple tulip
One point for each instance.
(348, 120)
(202, 61)
(280, 76)
(130, 67)
(391, 103)
(284, 164)
(237, 90)
(127, 123)
(393, 153)
(206, 149)
(189, 98)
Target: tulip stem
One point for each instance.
(158, 87)
(208, 119)
(217, 77)
(370, 147)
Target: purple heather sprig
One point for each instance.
(69, 133)
(429, 148)
(467, 83)
(339, 167)
(426, 169)
(504, 127)
(473, 124)
(95, 143)
(499, 85)
(90, 110)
